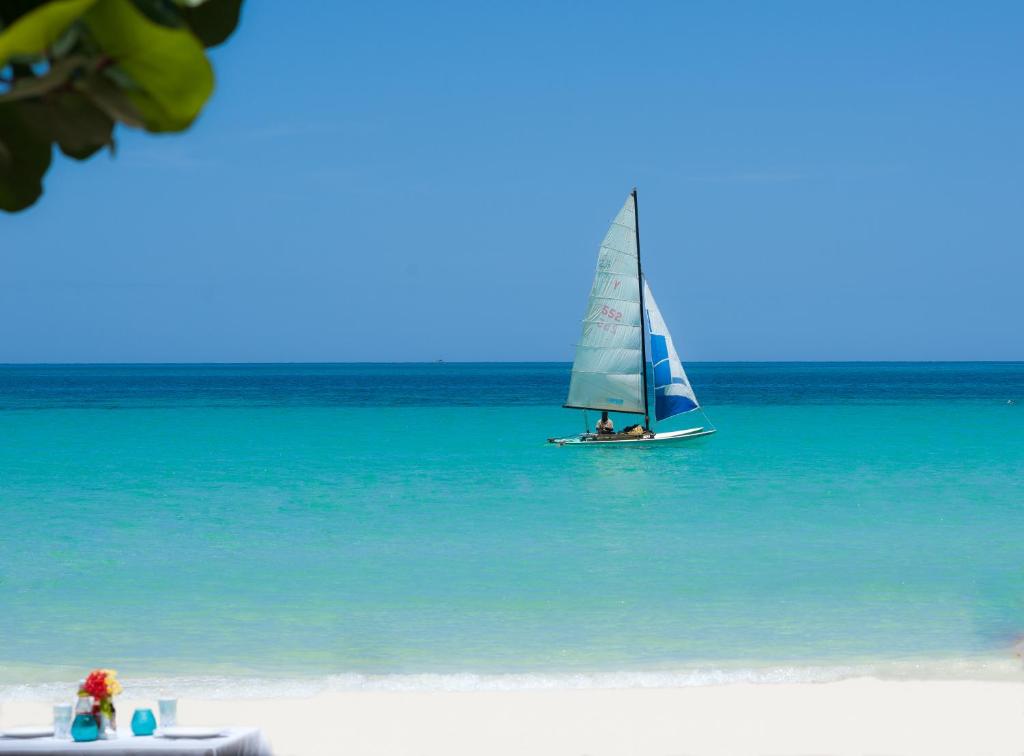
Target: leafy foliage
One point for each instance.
(72, 69)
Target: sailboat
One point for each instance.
(609, 372)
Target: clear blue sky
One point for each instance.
(417, 181)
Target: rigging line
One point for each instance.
(706, 418)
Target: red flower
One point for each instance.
(96, 685)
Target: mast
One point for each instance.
(643, 335)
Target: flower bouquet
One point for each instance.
(102, 685)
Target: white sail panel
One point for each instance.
(607, 371)
(620, 392)
(613, 312)
(673, 394)
(603, 335)
(607, 360)
(620, 286)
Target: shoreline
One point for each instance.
(849, 716)
(53, 683)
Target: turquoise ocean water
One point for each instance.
(375, 525)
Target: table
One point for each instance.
(236, 741)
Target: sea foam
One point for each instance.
(222, 687)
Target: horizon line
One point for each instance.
(498, 362)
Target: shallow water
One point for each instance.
(392, 522)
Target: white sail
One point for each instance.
(673, 394)
(608, 369)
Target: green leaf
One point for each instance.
(35, 31)
(66, 42)
(24, 160)
(172, 77)
(71, 120)
(213, 20)
(163, 12)
(111, 99)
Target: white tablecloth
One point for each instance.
(236, 741)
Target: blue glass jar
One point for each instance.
(143, 722)
(85, 727)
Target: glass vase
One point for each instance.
(143, 722)
(84, 728)
(108, 724)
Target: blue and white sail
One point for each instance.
(673, 394)
(607, 373)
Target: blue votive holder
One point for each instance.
(84, 728)
(143, 722)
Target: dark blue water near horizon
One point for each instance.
(488, 384)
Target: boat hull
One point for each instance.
(592, 439)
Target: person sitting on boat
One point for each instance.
(604, 425)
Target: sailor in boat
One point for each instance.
(606, 429)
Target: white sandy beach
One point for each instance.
(860, 716)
